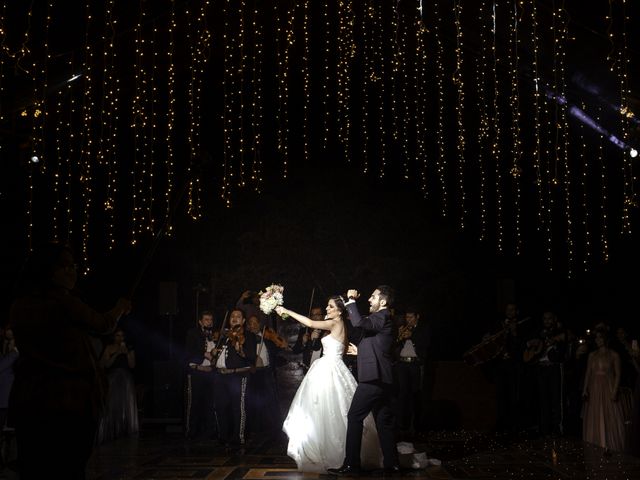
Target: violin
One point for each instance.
(237, 337)
(280, 342)
(403, 330)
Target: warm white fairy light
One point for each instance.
(483, 113)
(306, 76)
(367, 72)
(563, 126)
(458, 80)
(240, 93)
(421, 102)
(57, 174)
(516, 142)
(257, 102)
(586, 223)
(537, 151)
(404, 94)
(153, 125)
(171, 114)
(625, 93)
(137, 124)
(441, 161)
(86, 151)
(346, 51)
(604, 201)
(326, 95)
(496, 152)
(227, 110)
(395, 67)
(378, 78)
(107, 140)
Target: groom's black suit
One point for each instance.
(374, 391)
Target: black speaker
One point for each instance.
(168, 298)
(168, 389)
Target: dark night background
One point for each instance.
(329, 225)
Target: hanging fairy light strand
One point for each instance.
(403, 67)
(257, 102)
(395, 67)
(584, 162)
(227, 110)
(346, 51)
(458, 81)
(137, 124)
(327, 73)
(516, 142)
(70, 154)
(367, 72)
(171, 115)
(441, 162)
(604, 201)
(537, 150)
(306, 77)
(563, 19)
(421, 102)
(496, 152)
(483, 115)
(86, 179)
(240, 93)
(152, 101)
(379, 79)
(106, 149)
(630, 201)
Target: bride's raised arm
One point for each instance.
(322, 325)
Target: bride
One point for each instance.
(317, 420)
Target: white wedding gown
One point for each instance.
(317, 420)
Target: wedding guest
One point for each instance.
(603, 422)
(121, 415)
(249, 303)
(59, 389)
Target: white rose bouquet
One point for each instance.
(271, 297)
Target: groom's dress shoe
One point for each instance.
(345, 470)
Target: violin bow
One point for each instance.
(224, 322)
(313, 292)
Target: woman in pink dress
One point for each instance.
(603, 418)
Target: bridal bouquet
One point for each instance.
(271, 297)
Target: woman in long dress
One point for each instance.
(121, 413)
(317, 420)
(603, 420)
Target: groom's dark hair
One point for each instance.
(387, 293)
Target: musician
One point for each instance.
(200, 421)
(264, 408)
(506, 370)
(547, 352)
(411, 347)
(308, 342)
(235, 360)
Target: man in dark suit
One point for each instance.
(375, 381)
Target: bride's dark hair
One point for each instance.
(339, 301)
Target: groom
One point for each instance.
(375, 382)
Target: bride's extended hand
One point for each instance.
(281, 311)
(352, 349)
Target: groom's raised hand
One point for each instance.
(353, 294)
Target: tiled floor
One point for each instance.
(464, 455)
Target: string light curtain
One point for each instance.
(225, 95)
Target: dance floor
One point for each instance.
(464, 455)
